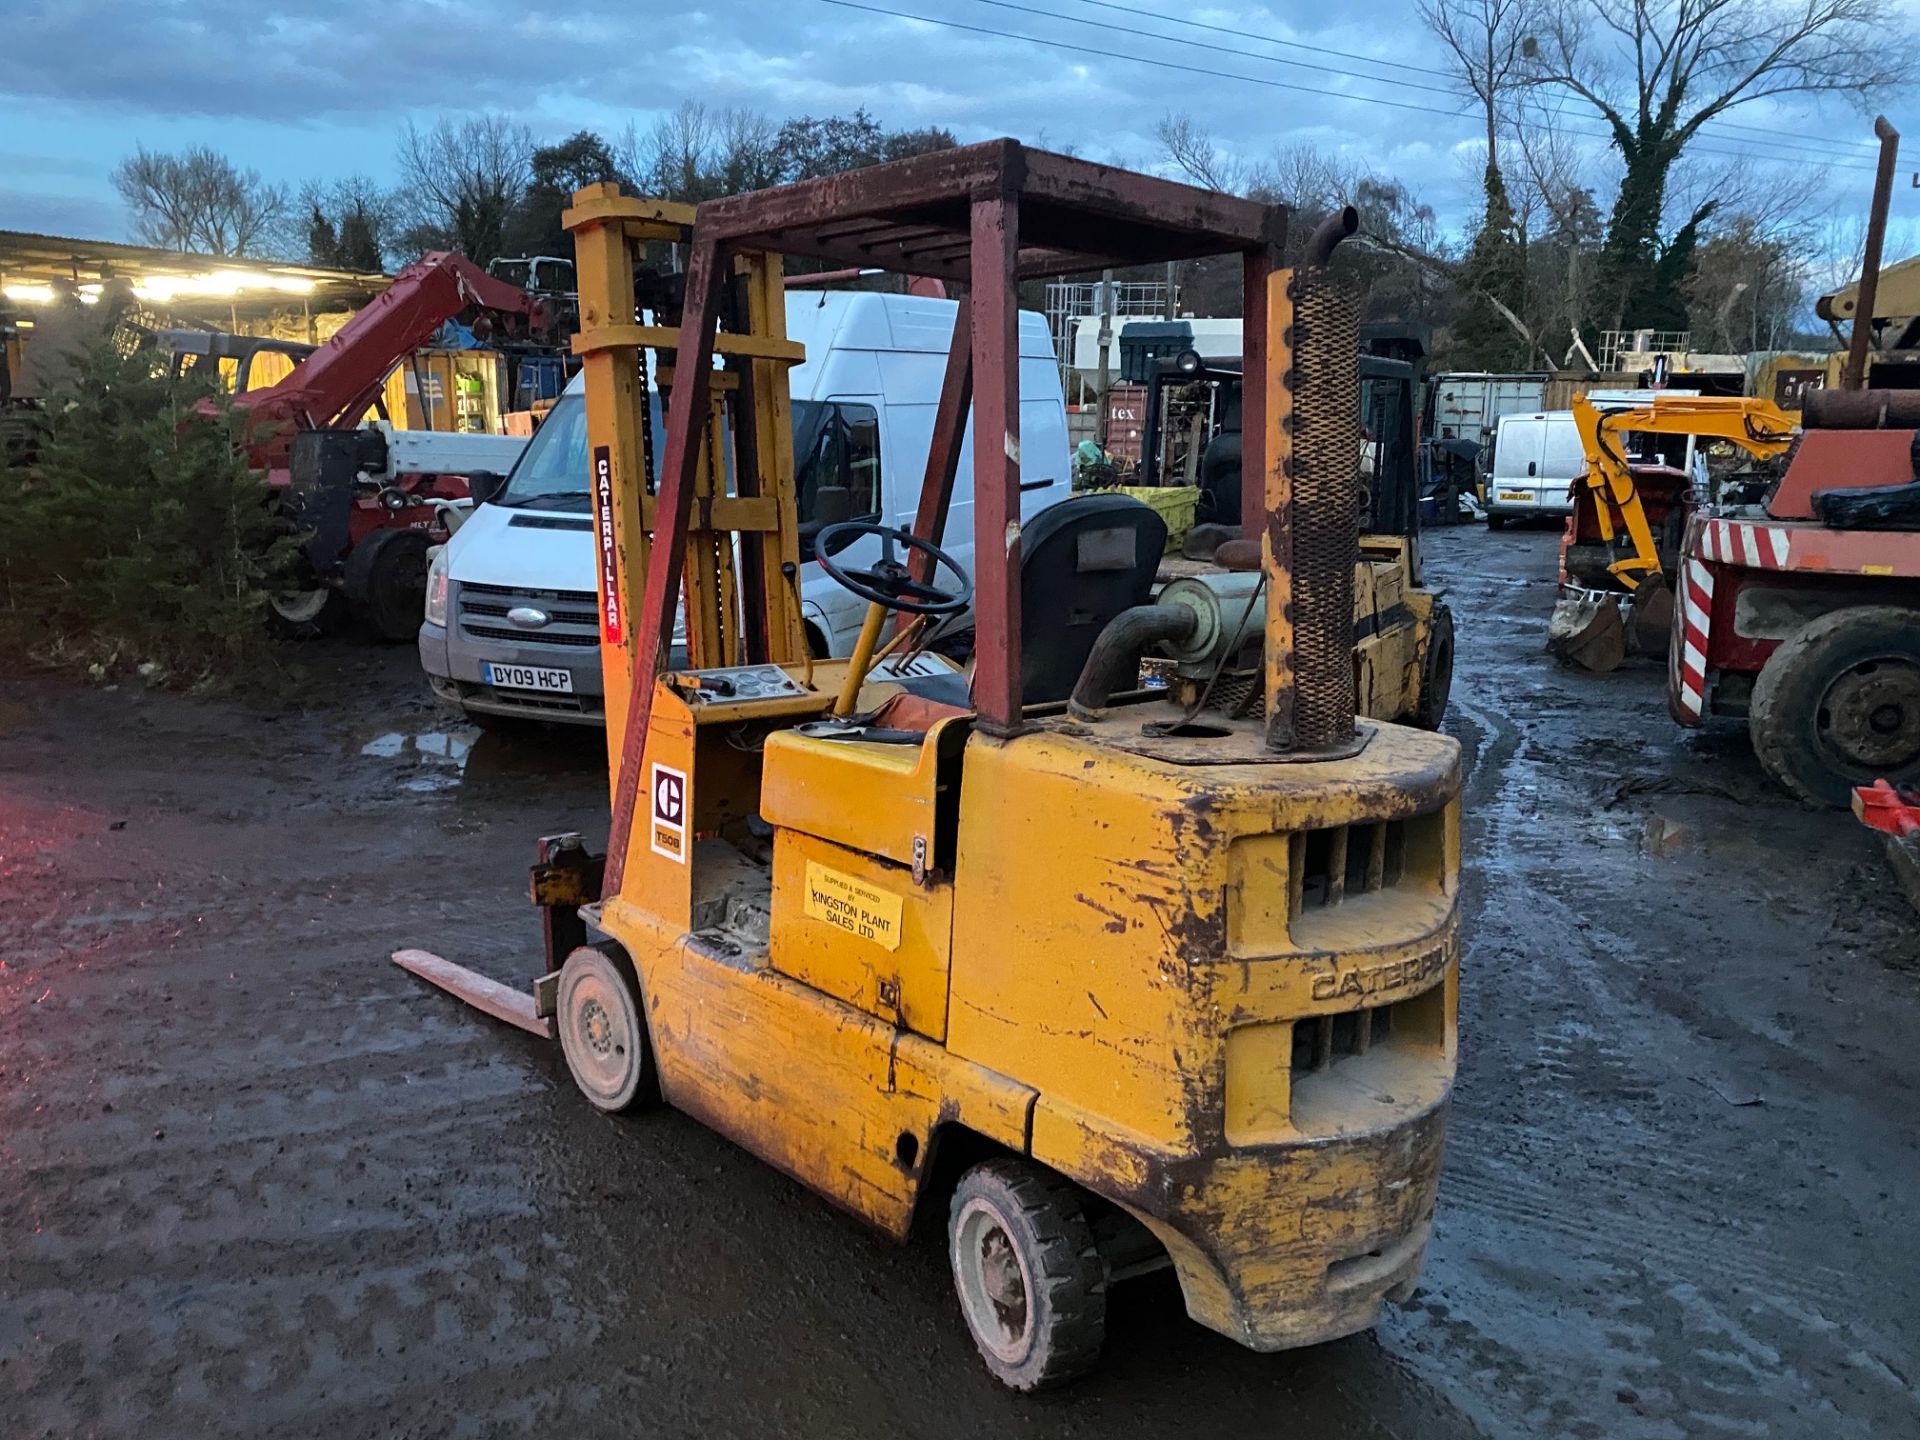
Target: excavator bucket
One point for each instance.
(1587, 630)
(1650, 618)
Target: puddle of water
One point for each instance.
(442, 754)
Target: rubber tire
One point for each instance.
(1436, 669)
(606, 976)
(1786, 697)
(1043, 1216)
(1496, 522)
(386, 576)
(331, 614)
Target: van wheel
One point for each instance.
(603, 1029)
(1028, 1272)
(1496, 522)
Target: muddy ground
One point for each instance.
(256, 1181)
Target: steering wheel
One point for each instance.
(888, 582)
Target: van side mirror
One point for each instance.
(485, 485)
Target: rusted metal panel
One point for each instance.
(912, 215)
(1208, 217)
(1842, 460)
(996, 463)
(943, 182)
(687, 412)
(1126, 421)
(1266, 492)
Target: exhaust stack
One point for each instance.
(1323, 462)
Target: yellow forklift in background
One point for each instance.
(1129, 979)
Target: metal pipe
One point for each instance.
(1114, 662)
(1860, 410)
(1854, 376)
(1330, 232)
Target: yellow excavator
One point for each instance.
(1099, 983)
(1623, 536)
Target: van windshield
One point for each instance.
(552, 473)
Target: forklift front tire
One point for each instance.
(603, 1030)
(1031, 1281)
(1436, 669)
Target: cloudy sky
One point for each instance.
(303, 91)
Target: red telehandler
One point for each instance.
(372, 498)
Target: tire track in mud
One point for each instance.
(1604, 1247)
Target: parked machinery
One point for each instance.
(1802, 612)
(1402, 632)
(1623, 538)
(370, 525)
(1153, 982)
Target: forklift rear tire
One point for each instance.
(1436, 669)
(1028, 1271)
(1838, 704)
(603, 1029)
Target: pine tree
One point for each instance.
(1495, 270)
(139, 534)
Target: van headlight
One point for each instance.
(437, 587)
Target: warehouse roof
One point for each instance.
(30, 264)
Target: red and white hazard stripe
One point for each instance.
(1743, 542)
(1689, 658)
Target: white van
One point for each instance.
(1537, 457)
(512, 627)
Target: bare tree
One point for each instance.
(1485, 39)
(462, 181)
(1656, 71)
(1553, 185)
(198, 200)
(1191, 148)
(1310, 180)
(697, 154)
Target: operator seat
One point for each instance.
(1082, 562)
(1220, 467)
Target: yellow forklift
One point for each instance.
(1129, 979)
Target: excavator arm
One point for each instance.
(336, 384)
(1757, 426)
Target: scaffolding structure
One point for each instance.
(1070, 300)
(1616, 343)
